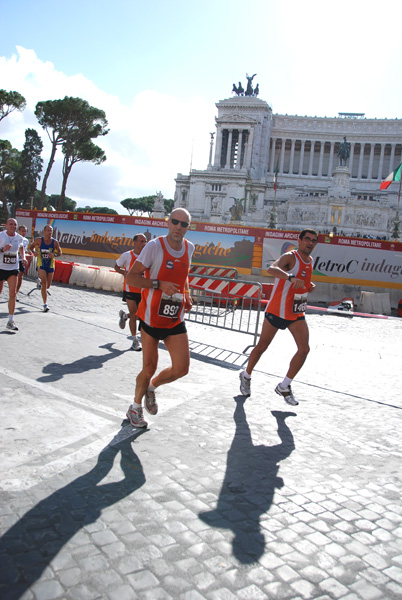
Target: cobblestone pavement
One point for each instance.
(222, 497)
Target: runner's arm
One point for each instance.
(58, 250)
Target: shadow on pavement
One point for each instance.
(30, 545)
(249, 485)
(55, 371)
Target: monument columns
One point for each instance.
(292, 157)
(218, 147)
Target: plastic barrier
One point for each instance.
(378, 304)
(108, 279)
(62, 271)
(84, 275)
(32, 271)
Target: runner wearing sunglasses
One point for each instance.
(161, 270)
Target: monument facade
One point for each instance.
(289, 172)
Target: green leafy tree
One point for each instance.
(10, 101)
(79, 151)
(99, 210)
(10, 164)
(66, 204)
(168, 206)
(139, 206)
(29, 170)
(67, 122)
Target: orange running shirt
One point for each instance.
(126, 261)
(163, 263)
(285, 301)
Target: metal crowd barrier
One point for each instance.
(226, 303)
(230, 272)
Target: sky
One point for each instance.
(157, 69)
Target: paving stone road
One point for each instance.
(222, 497)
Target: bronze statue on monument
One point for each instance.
(344, 152)
(239, 90)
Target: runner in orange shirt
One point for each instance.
(285, 310)
(162, 271)
(131, 295)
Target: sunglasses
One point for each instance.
(182, 223)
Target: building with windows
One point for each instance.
(271, 170)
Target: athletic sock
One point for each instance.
(10, 318)
(246, 375)
(285, 383)
(151, 388)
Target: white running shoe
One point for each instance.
(122, 319)
(150, 402)
(11, 325)
(287, 395)
(136, 416)
(136, 345)
(245, 384)
(45, 308)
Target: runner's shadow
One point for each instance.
(56, 371)
(30, 545)
(249, 485)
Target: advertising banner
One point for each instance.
(356, 261)
(343, 260)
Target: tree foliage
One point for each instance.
(10, 163)
(168, 206)
(145, 204)
(28, 173)
(68, 122)
(66, 204)
(80, 151)
(138, 206)
(98, 210)
(10, 101)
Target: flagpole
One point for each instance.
(397, 221)
(273, 219)
(396, 230)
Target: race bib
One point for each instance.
(299, 303)
(45, 254)
(170, 306)
(9, 259)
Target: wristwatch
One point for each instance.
(290, 276)
(155, 284)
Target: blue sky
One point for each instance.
(157, 68)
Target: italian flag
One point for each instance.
(394, 176)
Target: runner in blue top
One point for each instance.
(46, 249)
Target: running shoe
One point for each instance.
(38, 284)
(150, 402)
(136, 416)
(136, 345)
(245, 384)
(11, 325)
(122, 319)
(287, 395)
(45, 308)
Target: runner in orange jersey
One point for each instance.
(131, 295)
(285, 310)
(162, 271)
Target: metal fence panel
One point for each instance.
(226, 303)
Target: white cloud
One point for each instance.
(149, 141)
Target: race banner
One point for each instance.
(356, 261)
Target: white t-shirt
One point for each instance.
(124, 260)
(9, 258)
